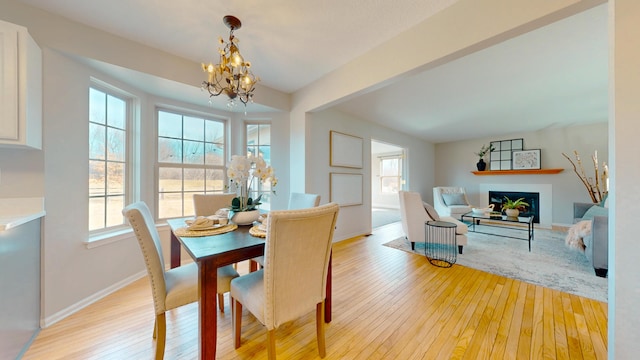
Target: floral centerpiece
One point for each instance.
(243, 172)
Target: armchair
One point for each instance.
(596, 242)
(451, 201)
(414, 213)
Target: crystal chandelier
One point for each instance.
(232, 76)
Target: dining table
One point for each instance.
(210, 253)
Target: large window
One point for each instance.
(108, 118)
(390, 174)
(191, 160)
(259, 144)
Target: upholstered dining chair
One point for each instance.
(294, 276)
(296, 201)
(208, 204)
(170, 288)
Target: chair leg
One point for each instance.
(221, 302)
(320, 329)
(271, 344)
(236, 321)
(161, 333)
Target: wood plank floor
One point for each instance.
(388, 304)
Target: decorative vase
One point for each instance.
(481, 165)
(245, 217)
(512, 212)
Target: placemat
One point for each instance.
(257, 232)
(183, 231)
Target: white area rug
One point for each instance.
(550, 263)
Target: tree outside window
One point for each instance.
(390, 174)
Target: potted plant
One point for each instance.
(512, 207)
(481, 165)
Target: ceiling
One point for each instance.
(551, 77)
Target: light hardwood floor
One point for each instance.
(388, 304)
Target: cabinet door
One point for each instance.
(9, 123)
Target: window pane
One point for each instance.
(194, 180)
(97, 147)
(170, 205)
(389, 167)
(169, 179)
(115, 176)
(252, 134)
(214, 132)
(116, 112)
(252, 151)
(116, 144)
(169, 125)
(215, 180)
(193, 128)
(96, 178)
(97, 106)
(265, 153)
(390, 184)
(214, 154)
(169, 150)
(193, 152)
(188, 205)
(265, 134)
(114, 210)
(96, 213)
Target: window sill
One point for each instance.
(108, 238)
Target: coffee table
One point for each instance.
(501, 221)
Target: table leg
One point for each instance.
(327, 301)
(175, 251)
(208, 328)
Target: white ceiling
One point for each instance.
(551, 77)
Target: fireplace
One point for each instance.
(545, 205)
(532, 198)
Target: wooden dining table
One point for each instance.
(210, 253)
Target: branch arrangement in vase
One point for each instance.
(598, 185)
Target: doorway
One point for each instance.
(387, 178)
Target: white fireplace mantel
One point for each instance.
(545, 191)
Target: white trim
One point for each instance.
(108, 238)
(50, 320)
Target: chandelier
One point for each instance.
(232, 76)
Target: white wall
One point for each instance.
(456, 160)
(356, 220)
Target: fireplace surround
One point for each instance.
(545, 198)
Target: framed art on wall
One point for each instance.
(500, 157)
(345, 189)
(346, 150)
(526, 159)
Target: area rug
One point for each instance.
(550, 263)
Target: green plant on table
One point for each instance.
(519, 204)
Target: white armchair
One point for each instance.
(414, 213)
(451, 201)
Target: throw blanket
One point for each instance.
(576, 232)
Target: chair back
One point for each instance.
(208, 204)
(303, 201)
(413, 215)
(144, 227)
(295, 272)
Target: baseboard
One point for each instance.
(50, 320)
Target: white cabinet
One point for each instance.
(20, 88)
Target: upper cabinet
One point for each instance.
(20, 88)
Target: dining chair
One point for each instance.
(170, 288)
(294, 276)
(296, 201)
(208, 204)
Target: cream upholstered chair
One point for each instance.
(303, 201)
(414, 212)
(170, 288)
(451, 201)
(294, 278)
(297, 201)
(208, 204)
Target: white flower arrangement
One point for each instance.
(242, 171)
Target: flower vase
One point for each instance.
(245, 217)
(481, 165)
(512, 212)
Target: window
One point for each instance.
(390, 168)
(191, 160)
(108, 119)
(259, 144)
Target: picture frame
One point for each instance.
(345, 189)
(500, 158)
(345, 150)
(526, 159)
